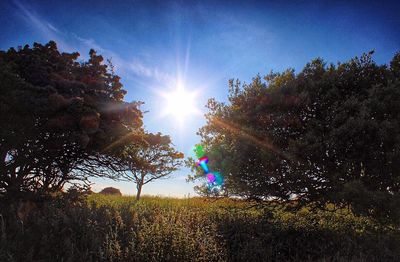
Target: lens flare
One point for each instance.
(214, 179)
(210, 178)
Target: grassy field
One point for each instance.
(112, 228)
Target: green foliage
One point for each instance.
(115, 228)
(328, 134)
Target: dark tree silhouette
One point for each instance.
(150, 158)
(111, 191)
(327, 134)
(60, 120)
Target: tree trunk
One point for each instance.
(139, 190)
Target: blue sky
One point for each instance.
(204, 43)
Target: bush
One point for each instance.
(111, 191)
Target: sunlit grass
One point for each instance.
(338, 220)
(118, 228)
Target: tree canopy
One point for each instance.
(328, 134)
(60, 120)
(150, 158)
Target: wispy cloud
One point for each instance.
(42, 26)
(89, 43)
(145, 71)
(50, 26)
(73, 42)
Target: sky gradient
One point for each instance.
(153, 43)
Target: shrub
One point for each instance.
(111, 191)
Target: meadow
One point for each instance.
(118, 228)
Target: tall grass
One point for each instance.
(113, 228)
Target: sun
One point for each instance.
(180, 104)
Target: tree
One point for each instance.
(60, 120)
(326, 135)
(148, 159)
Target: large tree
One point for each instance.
(149, 158)
(327, 134)
(60, 120)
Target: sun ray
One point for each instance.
(244, 134)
